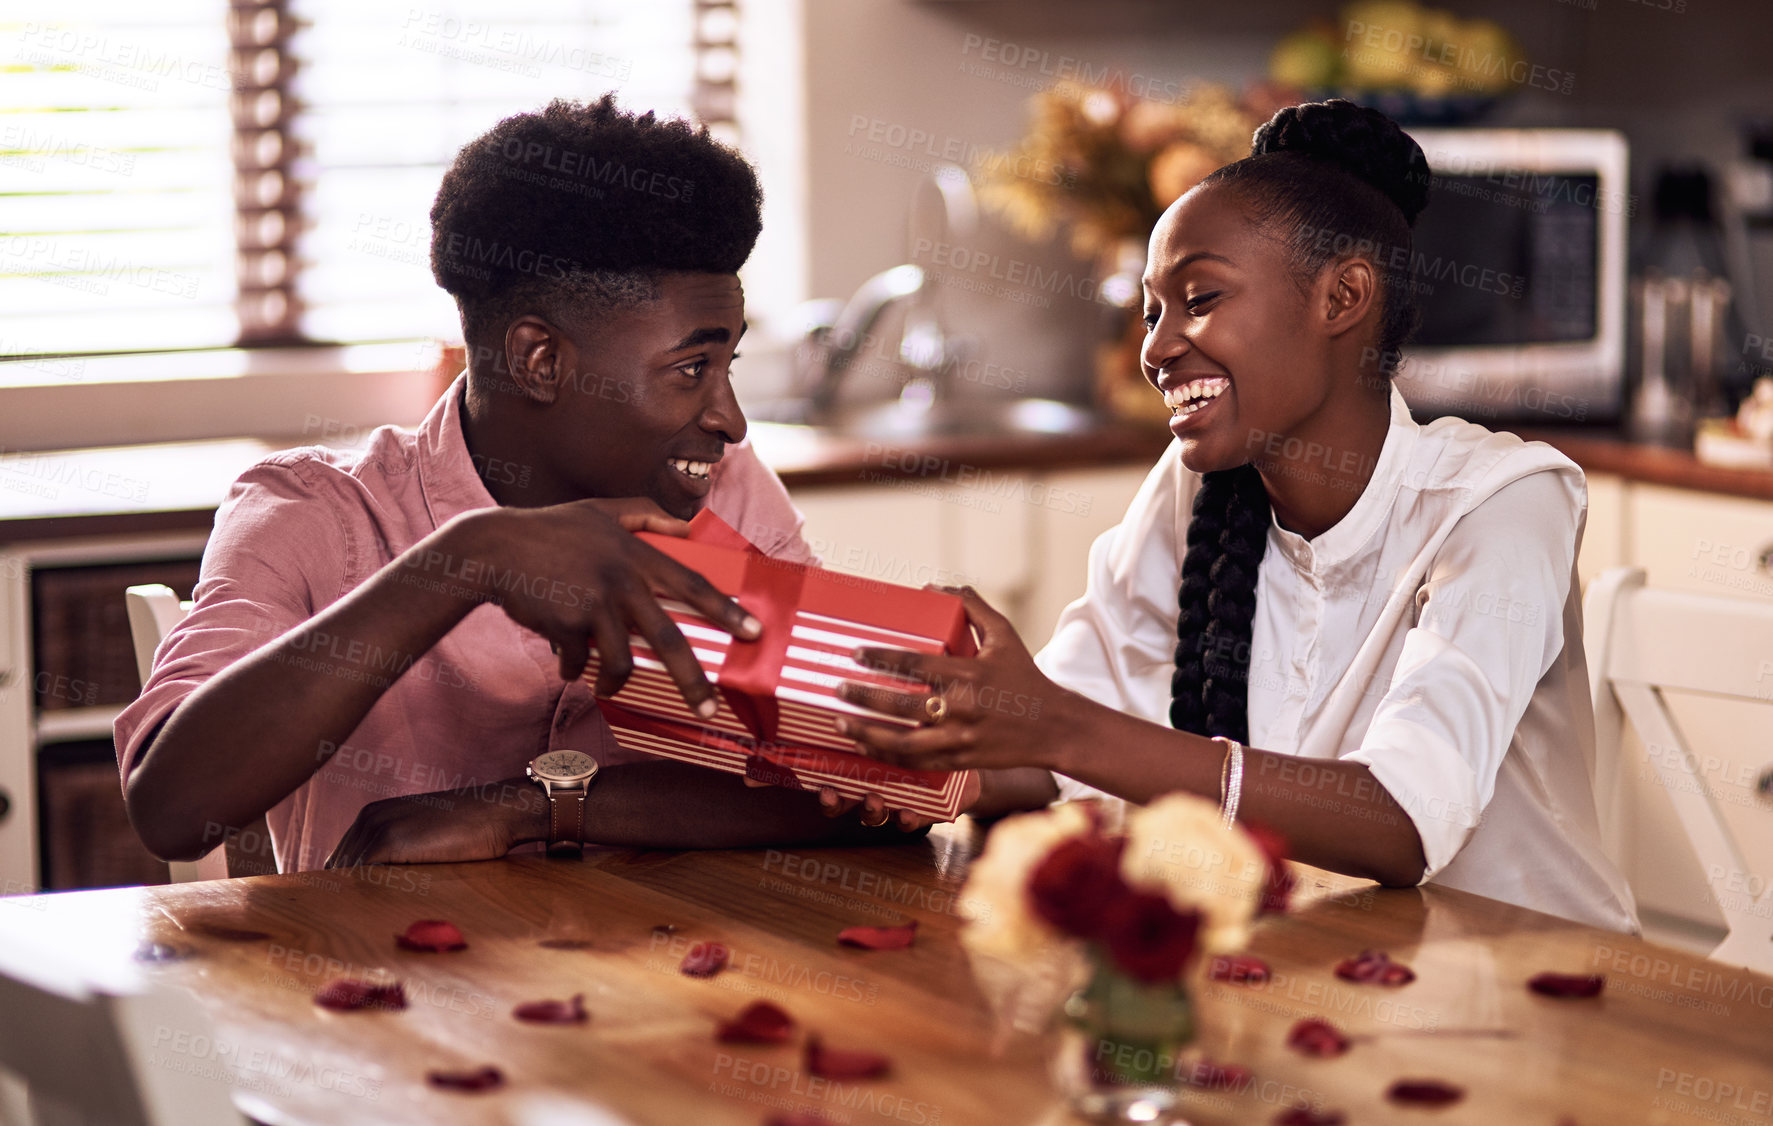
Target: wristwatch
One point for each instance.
(564, 777)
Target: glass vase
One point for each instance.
(1120, 1044)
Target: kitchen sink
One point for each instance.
(902, 420)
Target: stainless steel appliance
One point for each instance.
(1519, 265)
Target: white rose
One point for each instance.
(1176, 846)
(995, 898)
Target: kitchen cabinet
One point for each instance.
(1713, 544)
(1020, 537)
(1706, 544)
(67, 668)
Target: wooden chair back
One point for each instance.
(1641, 643)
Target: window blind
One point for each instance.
(390, 90)
(202, 173)
(116, 229)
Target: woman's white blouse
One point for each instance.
(1434, 634)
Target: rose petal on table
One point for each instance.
(1314, 1037)
(1374, 967)
(473, 1080)
(1305, 1116)
(157, 952)
(1238, 969)
(833, 1063)
(1567, 985)
(1424, 1092)
(347, 995)
(553, 1012)
(757, 1023)
(879, 938)
(1216, 1076)
(705, 959)
(432, 936)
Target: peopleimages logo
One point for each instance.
(875, 138)
(582, 166)
(473, 255)
(1016, 65)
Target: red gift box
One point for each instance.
(778, 694)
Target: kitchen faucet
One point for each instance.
(849, 333)
(923, 346)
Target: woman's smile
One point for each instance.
(1190, 402)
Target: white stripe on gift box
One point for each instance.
(839, 631)
(651, 684)
(899, 794)
(795, 669)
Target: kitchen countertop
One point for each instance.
(1604, 451)
(176, 486)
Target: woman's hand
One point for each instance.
(875, 811)
(472, 823)
(993, 711)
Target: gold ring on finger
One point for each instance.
(884, 816)
(935, 707)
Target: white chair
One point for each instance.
(153, 611)
(75, 1051)
(1640, 643)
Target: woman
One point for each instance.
(1386, 613)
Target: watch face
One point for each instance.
(564, 766)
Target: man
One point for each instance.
(382, 641)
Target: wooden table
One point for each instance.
(1673, 1038)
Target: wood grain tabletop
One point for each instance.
(1672, 1037)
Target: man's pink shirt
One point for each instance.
(303, 528)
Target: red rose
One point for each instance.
(1074, 885)
(1148, 938)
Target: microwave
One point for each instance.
(1519, 270)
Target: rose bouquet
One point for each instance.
(1120, 918)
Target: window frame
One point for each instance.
(306, 392)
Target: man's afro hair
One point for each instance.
(557, 200)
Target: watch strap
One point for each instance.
(566, 821)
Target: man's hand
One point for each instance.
(575, 574)
(472, 823)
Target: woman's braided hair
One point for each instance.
(1338, 179)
